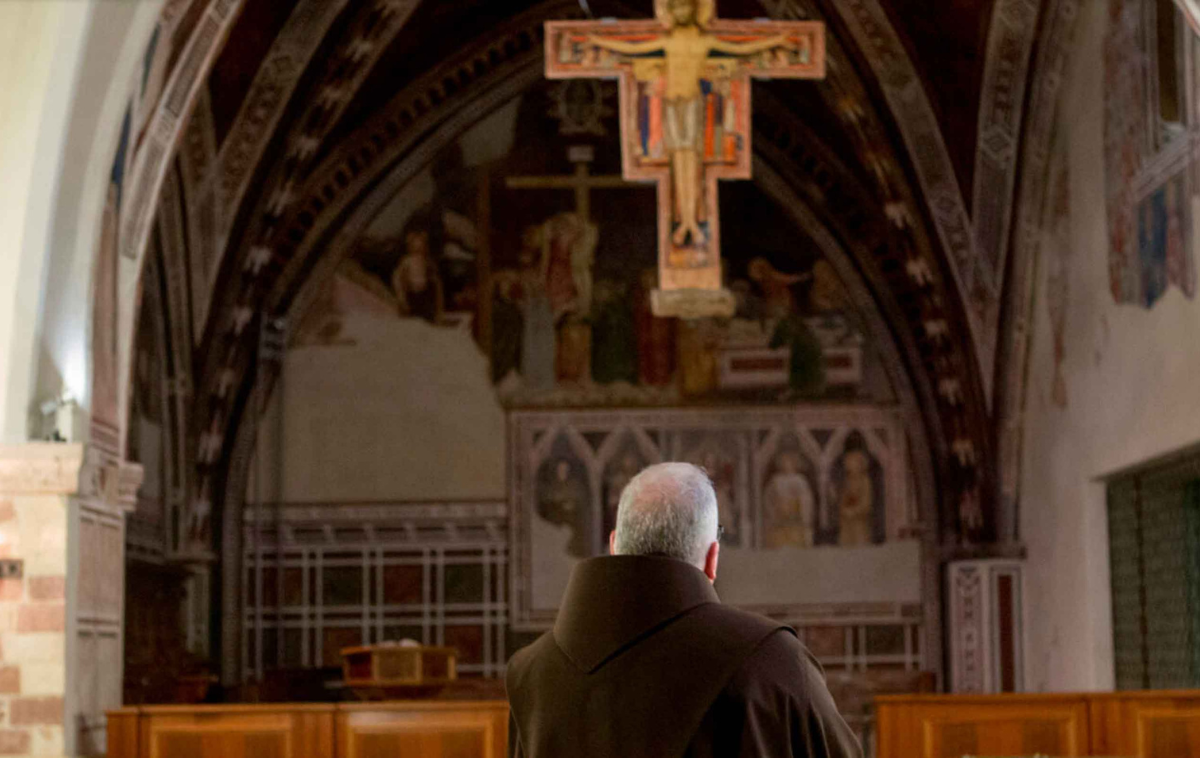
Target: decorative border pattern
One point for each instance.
(1053, 52)
(1001, 108)
(150, 166)
(978, 285)
(363, 513)
(154, 155)
(197, 168)
(166, 125)
(269, 94)
(976, 622)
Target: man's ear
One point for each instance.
(612, 542)
(710, 561)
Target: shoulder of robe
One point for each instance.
(519, 663)
(780, 663)
(752, 625)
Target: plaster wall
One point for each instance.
(68, 69)
(406, 412)
(1131, 396)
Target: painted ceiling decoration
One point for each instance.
(1054, 38)
(274, 176)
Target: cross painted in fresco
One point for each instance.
(685, 120)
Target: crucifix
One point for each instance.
(684, 82)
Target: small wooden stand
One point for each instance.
(387, 672)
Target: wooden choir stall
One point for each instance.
(1150, 724)
(428, 714)
(400, 729)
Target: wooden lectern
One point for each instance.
(397, 671)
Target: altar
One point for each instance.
(399, 729)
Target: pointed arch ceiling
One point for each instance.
(311, 103)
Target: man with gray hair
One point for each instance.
(645, 662)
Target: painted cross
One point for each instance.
(684, 81)
(582, 181)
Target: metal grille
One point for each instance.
(323, 578)
(1154, 533)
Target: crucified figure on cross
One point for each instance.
(686, 50)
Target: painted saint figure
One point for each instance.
(687, 49)
(564, 500)
(788, 505)
(416, 281)
(856, 496)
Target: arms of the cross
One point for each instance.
(685, 121)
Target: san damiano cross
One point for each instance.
(684, 81)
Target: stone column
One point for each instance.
(62, 514)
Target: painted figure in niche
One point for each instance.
(857, 495)
(564, 499)
(614, 349)
(686, 50)
(788, 503)
(655, 336)
(623, 468)
(416, 279)
(722, 471)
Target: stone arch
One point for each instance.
(341, 199)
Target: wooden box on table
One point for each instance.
(390, 671)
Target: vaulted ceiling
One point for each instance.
(310, 103)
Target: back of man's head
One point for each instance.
(668, 509)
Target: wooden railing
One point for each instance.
(1162, 724)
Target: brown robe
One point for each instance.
(645, 662)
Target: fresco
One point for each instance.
(812, 499)
(1149, 202)
(522, 235)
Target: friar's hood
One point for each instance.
(613, 602)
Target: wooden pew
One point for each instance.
(408, 729)
(1124, 724)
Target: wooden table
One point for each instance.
(403, 729)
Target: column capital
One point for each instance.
(68, 469)
(40, 468)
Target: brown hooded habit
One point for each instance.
(645, 662)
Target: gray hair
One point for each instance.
(668, 509)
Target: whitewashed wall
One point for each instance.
(405, 413)
(1132, 381)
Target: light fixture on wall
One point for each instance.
(62, 420)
